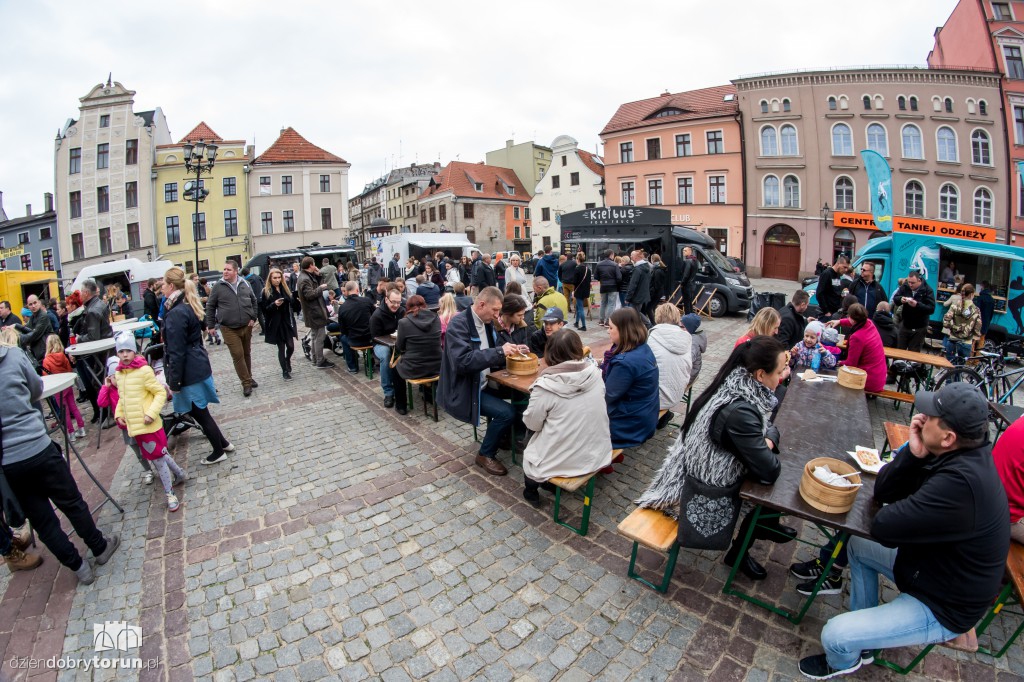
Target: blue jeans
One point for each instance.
(383, 354)
(904, 621)
(351, 359)
(955, 348)
(502, 415)
(608, 305)
(581, 312)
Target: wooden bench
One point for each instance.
(655, 530)
(571, 485)
(895, 436)
(895, 396)
(432, 382)
(367, 352)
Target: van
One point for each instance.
(626, 228)
(421, 244)
(130, 275)
(261, 262)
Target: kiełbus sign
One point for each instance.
(908, 225)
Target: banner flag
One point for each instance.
(879, 188)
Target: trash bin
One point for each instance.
(765, 299)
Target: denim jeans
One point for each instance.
(955, 348)
(581, 313)
(351, 359)
(383, 354)
(904, 621)
(502, 415)
(608, 306)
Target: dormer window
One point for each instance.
(478, 186)
(671, 111)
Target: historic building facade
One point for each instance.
(574, 182)
(30, 242)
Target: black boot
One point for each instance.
(773, 530)
(748, 566)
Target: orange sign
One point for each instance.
(925, 226)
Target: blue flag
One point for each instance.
(879, 188)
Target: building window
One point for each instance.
(770, 192)
(170, 192)
(574, 179)
(230, 188)
(104, 120)
(764, 106)
(199, 226)
(47, 255)
(131, 195)
(716, 184)
(842, 140)
(913, 103)
(867, 102)
(266, 222)
(265, 190)
(786, 105)
(75, 199)
(103, 155)
(1001, 11)
(844, 194)
(205, 264)
(831, 103)
(981, 149)
(103, 199)
(901, 103)
(442, 212)
(556, 182)
(545, 214)
(685, 187)
(715, 143)
(683, 147)
(23, 238)
(134, 240)
(515, 234)
(106, 247)
(653, 149)
(288, 217)
(877, 139)
(467, 210)
(231, 222)
(325, 219)
(655, 195)
(628, 194)
(946, 141)
(948, 104)
(526, 213)
(982, 207)
(515, 213)
(131, 152)
(1014, 65)
(844, 102)
(325, 183)
(423, 215)
(286, 184)
(949, 202)
(625, 152)
(26, 261)
(77, 246)
(787, 135)
(44, 234)
(913, 199)
(433, 214)
(75, 161)
(769, 142)
(790, 192)
(912, 146)
(982, 108)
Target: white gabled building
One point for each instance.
(574, 182)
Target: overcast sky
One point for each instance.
(383, 84)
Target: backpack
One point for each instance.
(964, 317)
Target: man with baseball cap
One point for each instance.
(942, 538)
(551, 322)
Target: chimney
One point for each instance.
(28, 210)
(509, 143)
(250, 151)
(48, 201)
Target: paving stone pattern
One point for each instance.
(343, 541)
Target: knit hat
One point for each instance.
(830, 336)
(816, 327)
(112, 363)
(691, 321)
(124, 341)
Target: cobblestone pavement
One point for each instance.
(342, 541)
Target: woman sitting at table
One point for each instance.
(727, 435)
(510, 326)
(516, 288)
(765, 323)
(418, 348)
(630, 381)
(670, 344)
(864, 347)
(568, 417)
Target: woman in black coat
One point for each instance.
(277, 303)
(465, 271)
(418, 348)
(510, 325)
(186, 364)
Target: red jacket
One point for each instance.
(56, 363)
(865, 350)
(1008, 455)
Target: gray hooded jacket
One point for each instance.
(24, 433)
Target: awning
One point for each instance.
(442, 244)
(326, 251)
(959, 247)
(286, 254)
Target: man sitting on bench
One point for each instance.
(945, 533)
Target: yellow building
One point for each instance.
(223, 224)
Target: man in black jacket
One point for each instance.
(867, 289)
(918, 302)
(383, 323)
(7, 316)
(354, 324)
(829, 293)
(638, 295)
(150, 299)
(36, 329)
(395, 268)
(610, 276)
(791, 328)
(483, 273)
(686, 278)
(885, 325)
(942, 538)
(310, 291)
(232, 303)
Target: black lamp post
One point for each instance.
(826, 212)
(199, 159)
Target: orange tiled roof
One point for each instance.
(292, 147)
(694, 104)
(458, 177)
(201, 132)
(592, 161)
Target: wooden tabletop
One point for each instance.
(806, 433)
(924, 358)
(388, 340)
(523, 382)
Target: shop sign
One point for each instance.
(911, 225)
(12, 251)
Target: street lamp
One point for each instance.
(825, 213)
(199, 159)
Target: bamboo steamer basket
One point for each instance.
(824, 497)
(852, 377)
(517, 364)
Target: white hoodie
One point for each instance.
(671, 346)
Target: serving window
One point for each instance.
(958, 267)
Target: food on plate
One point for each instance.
(868, 456)
(809, 374)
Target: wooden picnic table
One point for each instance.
(929, 359)
(523, 382)
(390, 340)
(803, 437)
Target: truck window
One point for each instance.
(956, 267)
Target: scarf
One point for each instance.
(694, 454)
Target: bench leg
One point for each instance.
(368, 361)
(588, 496)
(670, 567)
(1005, 597)
(897, 668)
(433, 396)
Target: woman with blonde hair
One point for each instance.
(278, 303)
(765, 323)
(671, 345)
(446, 310)
(187, 366)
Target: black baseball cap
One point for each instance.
(959, 404)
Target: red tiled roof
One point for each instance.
(694, 104)
(458, 178)
(292, 147)
(592, 161)
(201, 132)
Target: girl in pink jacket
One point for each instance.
(864, 347)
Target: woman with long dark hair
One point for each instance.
(510, 326)
(630, 381)
(277, 302)
(727, 435)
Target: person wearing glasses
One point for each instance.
(867, 289)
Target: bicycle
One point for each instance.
(991, 374)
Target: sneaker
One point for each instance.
(229, 448)
(807, 570)
(324, 364)
(833, 584)
(148, 478)
(71, 437)
(353, 370)
(817, 668)
(172, 503)
(213, 458)
(85, 573)
(867, 657)
(180, 480)
(80, 433)
(113, 542)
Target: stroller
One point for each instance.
(331, 343)
(175, 423)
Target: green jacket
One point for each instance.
(549, 299)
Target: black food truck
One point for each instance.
(626, 228)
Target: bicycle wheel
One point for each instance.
(1004, 390)
(960, 374)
